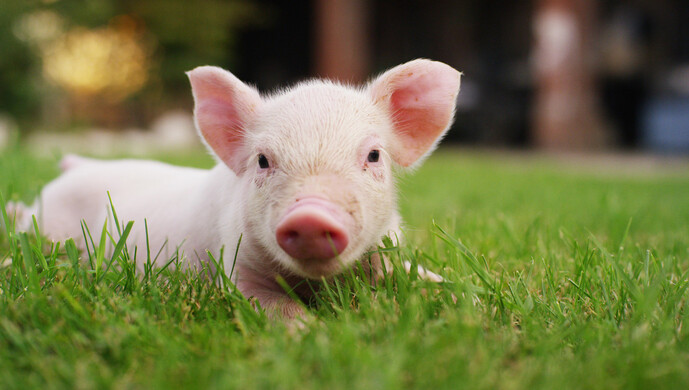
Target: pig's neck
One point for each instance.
(223, 196)
(255, 268)
(227, 197)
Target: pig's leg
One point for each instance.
(269, 294)
(277, 304)
(421, 271)
(395, 234)
(21, 215)
(424, 273)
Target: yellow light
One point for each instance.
(111, 62)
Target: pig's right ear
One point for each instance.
(223, 106)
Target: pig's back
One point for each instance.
(159, 195)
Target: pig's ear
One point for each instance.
(223, 106)
(420, 98)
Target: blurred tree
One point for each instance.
(18, 94)
(195, 33)
(566, 112)
(173, 36)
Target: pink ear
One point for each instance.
(223, 105)
(420, 99)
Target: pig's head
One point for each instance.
(317, 159)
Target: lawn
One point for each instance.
(558, 276)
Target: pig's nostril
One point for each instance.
(335, 239)
(288, 238)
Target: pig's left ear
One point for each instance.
(420, 98)
(223, 106)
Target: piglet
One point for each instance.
(304, 176)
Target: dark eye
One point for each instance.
(373, 156)
(263, 161)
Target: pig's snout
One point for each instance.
(313, 229)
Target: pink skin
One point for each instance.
(313, 231)
(419, 96)
(346, 200)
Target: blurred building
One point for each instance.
(559, 74)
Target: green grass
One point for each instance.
(563, 278)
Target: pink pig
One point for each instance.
(305, 176)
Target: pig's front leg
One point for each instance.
(269, 294)
(395, 234)
(422, 272)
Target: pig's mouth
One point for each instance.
(315, 232)
(317, 269)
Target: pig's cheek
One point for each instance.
(377, 172)
(261, 180)
(353, 209)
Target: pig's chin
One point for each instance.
(314, 269)
(317, 269)
(311, 268)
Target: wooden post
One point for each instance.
(566, 115)
(342, 40)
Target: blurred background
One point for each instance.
(541, 74)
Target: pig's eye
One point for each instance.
(373, 156)
(263, 161)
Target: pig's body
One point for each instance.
(304, 176)
(201, 210)
(179, 205)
